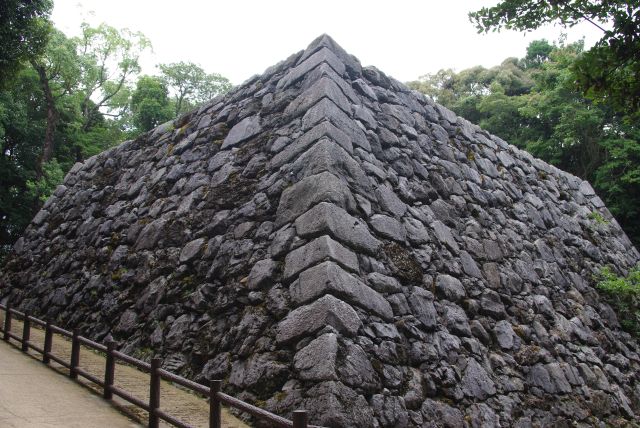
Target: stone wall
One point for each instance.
(323, 237)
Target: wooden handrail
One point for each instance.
(216, 397)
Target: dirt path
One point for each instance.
(187, 407)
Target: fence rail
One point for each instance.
(213, 392)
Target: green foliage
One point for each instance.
(150, 103)
(597, 217)
(534, 104)
(191, 85)
(623, 292)
(538, 52)
(24, 30)
(618, 178)
(108, 61)
(42, 188)
(606, 77)
(71, 98)
(606, 73)
(21, 130)
(526, 15)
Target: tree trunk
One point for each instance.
(52, 119)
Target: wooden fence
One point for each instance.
(213, 393)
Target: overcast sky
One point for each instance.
(240, 38)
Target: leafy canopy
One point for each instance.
(150, 104)
(533, 103)
(24, 31)
(72, 98)
(191, 85)
(607, 72)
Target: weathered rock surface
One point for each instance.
(322, 237)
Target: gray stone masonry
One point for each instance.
(322, 237)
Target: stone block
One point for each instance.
(243, 130)
(323, 88)
(323, 187)
(317, 360)
(261, 273)
(151, 234)
(299, 145)
(450, 288)
(326, 109)
(422, 307)
(469, 265)
(325, 42)
(416, 231)
(325, 70)
(505, 336)
(323, 55)
(191, 250)
(327, 218)
(329, 278)
(476, 383)
(315, 252)
(388, 227)
(356, 370)
(384, 283)
(390, 202)
(455, 318)
(327, 155)
(332, 404)
(306, 320)
(444, 235)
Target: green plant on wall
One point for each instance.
(597, 217)
(623, 293)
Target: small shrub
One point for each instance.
(623, 293)
(52, 175)
(597, 217)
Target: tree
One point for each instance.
(150, 103)
(24, 31)
(89, 77)
(191, 85)
(606, 73)
(58, 73)
(65, 104)
(534, 104)
(618, 177)
(22, 124)
(73, 99)
(108, 61)
(537, 53)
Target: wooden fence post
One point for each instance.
(109, 371)
(154, 393)
(75, 355)
(48, 342)
(300, 419)
(214, 404)
(7, 322)
(26, 332)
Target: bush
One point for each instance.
(52, 175)
(623, 293)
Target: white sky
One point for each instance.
(240, 38)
